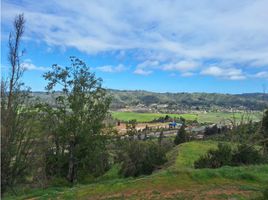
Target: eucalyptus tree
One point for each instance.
(17, 138)
(80, 108)
(264, 132)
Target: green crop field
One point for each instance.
(179, 180)
(212, 117)
(146, 117)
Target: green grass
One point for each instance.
(191, 151)
(212, 117)
(179, 181)
(215, 117)
(146, 117)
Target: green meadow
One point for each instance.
(177, 180)
(146, 117)
(211, 117)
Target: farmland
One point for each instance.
(211, 117)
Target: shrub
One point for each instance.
(224, 155)
(215, 158)
(265, 193)
(140, 157)
(181, 136)
(246, 155)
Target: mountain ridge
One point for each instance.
(181, 100)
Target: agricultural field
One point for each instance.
(210, 117)
(178, 180)
(147, 117)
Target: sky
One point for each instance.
(162, 46)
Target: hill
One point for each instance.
(145, 101)
(193, 101)
(178, 180)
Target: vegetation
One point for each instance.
(17, 131)
(210, 117)
(77, 144)
(140, 157)
(67, 149)
(264, 132)
(179, 181)
(147, 117)
(194, 101)
(181, 136)
(225, 156)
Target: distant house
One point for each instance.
(198, 130)
(172, 124)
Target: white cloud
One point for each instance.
(166, 31)
(181, 66)
(28, 65)
(263, 74)
(146, 67)
(112, 69)
(148, 64)
(226, 73)
(213, 71)
(142, 72)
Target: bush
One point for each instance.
(215, 158)
(265, 193)
(140, 157)
(224, 155)
(246, 155)
(181, 136)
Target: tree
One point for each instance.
(181, 136)
(161, 136)
(141, 157)
(16, 115)
(211, 130)
(264, 131)
(80, 108)
(131, 128)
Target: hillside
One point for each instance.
(178, 180)
(145, 101)
(170, 101)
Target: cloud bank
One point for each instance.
(188, 37)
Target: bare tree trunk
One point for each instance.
(71, 170)
(14, 42)
(16, 141)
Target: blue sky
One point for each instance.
(163, 46)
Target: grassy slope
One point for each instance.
(179, 181)
(202, 117)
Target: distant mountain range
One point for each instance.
(172, 101)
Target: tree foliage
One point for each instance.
(264, 132)
(77, 140)
(224, 155)
(141, 157)
(181, 136)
